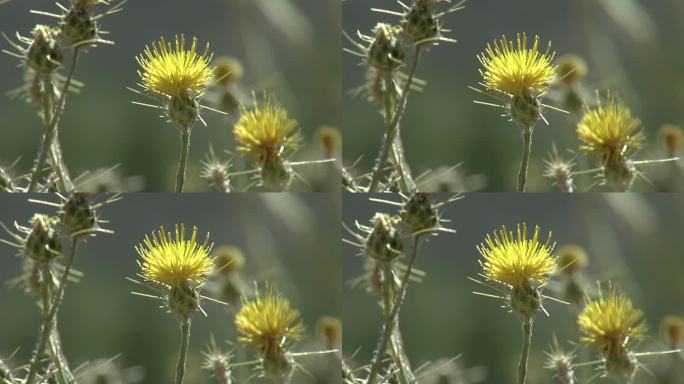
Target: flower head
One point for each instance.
(514, 69)
(173, 70)
(611, 323)
(609, 131)
(175, 260)
(266, 131)
(515, 260)
(268, 323)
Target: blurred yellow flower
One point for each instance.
(266, 131)
(268, 323)
(175, 71)
(609, 131)
(515, 69)
(174, 260)
(515, 260)
(611, 323)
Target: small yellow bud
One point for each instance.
(228, 260)
(330, 140)
(571, 68)
(228, 70)
(572, 259)
(330, 329)
(671, 137)
(673, 330)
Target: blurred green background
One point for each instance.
(633, 240)
(289, 47)
(100, 318)
(631, 46)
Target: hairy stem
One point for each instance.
(391, 315)
(527, 341)
(527, 146)
(51, 115)
(185, 341)
(49, 320)
(392, 140)
(183, 163)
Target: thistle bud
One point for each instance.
(620, 365)
(228, 260)
(228, 70)
(386, 52)
(78, 214)
(572, 259)
(183, 109)
(571, 68)
(619, 173)
(278, 367)
(671, 137)
(183, 300)
(384, 243)
(78, 26)
(330, 140)
(673, 330)
(418, 213)
(276, 174)
(43, 244)
(419, 23)
(44, 55)
(330, 330)
(525, 108)
(525, 300)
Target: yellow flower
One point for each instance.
(174, 260)
(515, 260)
(609, 131)
(175, 71)
(266, 131)
(268, 323)
(611, 323)
(515, 69)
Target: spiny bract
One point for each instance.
(266, 131)
(609, 131)
(174, 260)
(515, 69)
(515, 260)
(268, 323)
(611, 323)
(175, 71)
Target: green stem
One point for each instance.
(48, 321)
(527, 146)
(392, 142)
(391, 315)
(183, 163)
(185, 341)
(51, 115)
(527, 341)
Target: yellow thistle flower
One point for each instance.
(515, 69)
(515, 260)
(611, 323)
(609, 131)
(175, 71)
(174, 260)
(266, 131)
(268, 323)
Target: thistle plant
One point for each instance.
(518, 267)
(384, 244)
(611, 135)
(177, 77)
(270, 326)
(384, 54)
(43, 55)
(176, 267)
(519, 77)
(41, 245)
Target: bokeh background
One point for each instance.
(633, 240)
(100, 318)
(631, 46)
(288, 47)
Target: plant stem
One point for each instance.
(527, 341)
(527, 145)
(49, 320)
(393, 313)
(392, 140)
(182, 164)
(185, 341)
(51, 115)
